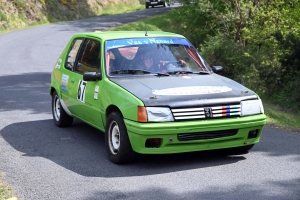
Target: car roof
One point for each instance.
(109, 35)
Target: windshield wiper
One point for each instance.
(181, 72)
(161, 74)
(130, 71)
(189, 72)
(202, 72)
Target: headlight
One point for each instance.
(154, 114)
(159, 114)
(251, 107)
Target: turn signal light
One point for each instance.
(142, 114)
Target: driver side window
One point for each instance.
(70, 62)
(89, 57)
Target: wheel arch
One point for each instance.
(52, 89)
(112, 108)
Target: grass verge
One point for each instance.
(5, 192)
(280, 118)
(156, 23)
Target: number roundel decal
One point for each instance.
(81, 91)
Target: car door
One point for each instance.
(84, 95)
(69, 77)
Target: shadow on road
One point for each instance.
(238, 192)
(25, 92)
(277, 142)
(80, 148)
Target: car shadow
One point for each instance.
(30, 91)
(207, 192)
(80, 148)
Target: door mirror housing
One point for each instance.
(217, 69)
(92, 76)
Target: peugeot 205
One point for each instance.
(152, 93)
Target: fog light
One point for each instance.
(153, 142)
(253, 134)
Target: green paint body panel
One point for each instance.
(112, 96)
(140, 132)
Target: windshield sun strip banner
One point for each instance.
(111, 44)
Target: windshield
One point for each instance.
(142, 56)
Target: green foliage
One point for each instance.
(289, 79)
(3, 17)
(280, 117)
(5, 192)
(240, 36)
(156, 23)
(20, 4)
(22, 13)
(239, 62)
(245, 21)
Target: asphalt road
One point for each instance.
(41, 161)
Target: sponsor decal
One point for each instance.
(57, 66)
(192, 90)
(140, 41)
(96, 92)
(64, 82)
(186, 77)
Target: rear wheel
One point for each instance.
(147, 6)
(60, 117)
(117, 143)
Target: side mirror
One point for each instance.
(92, 76)
(217, 69)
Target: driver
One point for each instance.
(147, 62)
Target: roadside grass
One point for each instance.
(121, 8)
(276, 116)
(281, 118)
(20, 21)
(5, 192)
(156, 23)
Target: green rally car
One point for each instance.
(151, 93)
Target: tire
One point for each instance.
(147, 6)
(165, 4)
(117, 143)
(246, 148)
(60, 117)
(242, 149)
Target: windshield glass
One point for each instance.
(141, 56)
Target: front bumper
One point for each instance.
(168, 131)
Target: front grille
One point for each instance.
(206, 112)
(206, 135)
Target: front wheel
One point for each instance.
(117, 143)
(246, 148)
(60, 117)
(242, 149)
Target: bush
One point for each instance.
(240, 63)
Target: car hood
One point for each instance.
(185, 90)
